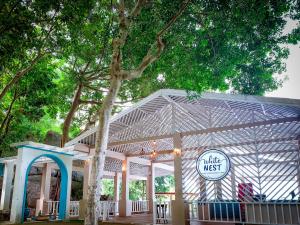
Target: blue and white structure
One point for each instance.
(28, 154)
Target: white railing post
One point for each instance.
(140, 206)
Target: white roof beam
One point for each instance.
(164, 166)
(113, 154)
(137, 177)
(140, 161)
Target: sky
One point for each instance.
(291, 87)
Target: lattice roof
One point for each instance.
(240, 125)
(168, 111)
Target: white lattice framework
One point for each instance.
(261, 136)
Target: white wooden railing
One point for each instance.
(140, 206)
(108, 209)
(52, 207)
(74, 208)
(162, 212)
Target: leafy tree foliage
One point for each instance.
(74, 60)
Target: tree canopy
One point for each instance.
(66, 65)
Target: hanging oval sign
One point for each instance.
(213, 164)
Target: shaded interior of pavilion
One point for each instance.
(164, 134)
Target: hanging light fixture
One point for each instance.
(153, 154)
(177, 151)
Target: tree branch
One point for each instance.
(20, 74)
(5, 120)
(69, 117)
(150, 56)
(92, 102)
(124, 24)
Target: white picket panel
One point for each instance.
(140, 206)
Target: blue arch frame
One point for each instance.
(63, 185)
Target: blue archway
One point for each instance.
(63, 187)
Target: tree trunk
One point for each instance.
(98, 160)
(4, 122)
(68, 120)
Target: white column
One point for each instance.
(178, 211)
(18, 193)
(125, 204)
(7, 185)
(86, 179)
(45, 188)
(150, 186)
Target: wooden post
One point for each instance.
(203, 195)
(178, 210)
(45, 188)
(151, 188)
(125, 203)
(233, 184)
(86, 178)
(117, 178)
(298, 170)
(218, 188)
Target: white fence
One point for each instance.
(108, 209)
(74, 208)
(140, 206)
(287, 213)
(52, 207)
(162, 212)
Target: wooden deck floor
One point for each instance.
(144, 219)
(147, 219)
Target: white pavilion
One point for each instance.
(164, 134)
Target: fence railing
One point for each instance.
(108, 209)
(140, 206)
(74, 208)
(162, 212)
(52, 207)
(245, 212)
